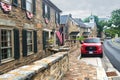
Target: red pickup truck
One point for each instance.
(91, 47)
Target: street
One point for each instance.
(112, 51)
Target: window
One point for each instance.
(29, 5)
(15, 3)
(46, 11)
(29, 42)
(6, 44)
(92, 40)
(57, 17)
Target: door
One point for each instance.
(45, 38)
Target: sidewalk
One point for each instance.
(84, 69)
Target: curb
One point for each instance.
(111, 69)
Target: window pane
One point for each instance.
(9, 38)
(29, 41)
(29, 48)
(6, 38)
(6, 53)
(46, 10)
(56, 17)
(29, 5)
(29, 37)
(3, 34)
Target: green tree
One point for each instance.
(96, 19)
(109, 23)
(100, 26)
(116, 17)
(86, 19)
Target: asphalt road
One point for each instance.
(112, 51)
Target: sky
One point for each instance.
(84, 8)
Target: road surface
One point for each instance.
(112, 51)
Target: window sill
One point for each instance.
(7, 60)
(30, 53)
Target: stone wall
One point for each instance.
(50, 68)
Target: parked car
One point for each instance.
(108, 37)
(92, 46)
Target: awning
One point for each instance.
(86, 33)
(74, 33)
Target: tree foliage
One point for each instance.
(100, 26)
(115, 20)
(86, 19)
(116, 17)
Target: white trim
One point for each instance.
(47, 30)
(7, 60)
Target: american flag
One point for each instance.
(60, 35)
(6, 7)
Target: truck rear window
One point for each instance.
(92, 40)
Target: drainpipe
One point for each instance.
(54, 32)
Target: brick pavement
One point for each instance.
(78, 69)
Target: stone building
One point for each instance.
(22, 27)
(51, 15)
(82, 28)
(93, 26)
(73, 28)
(70, 28)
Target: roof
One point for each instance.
(65, 18)
(91, 25)
(52, 5)
(74, 33)
(79, 22)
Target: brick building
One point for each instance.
(22, 26)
